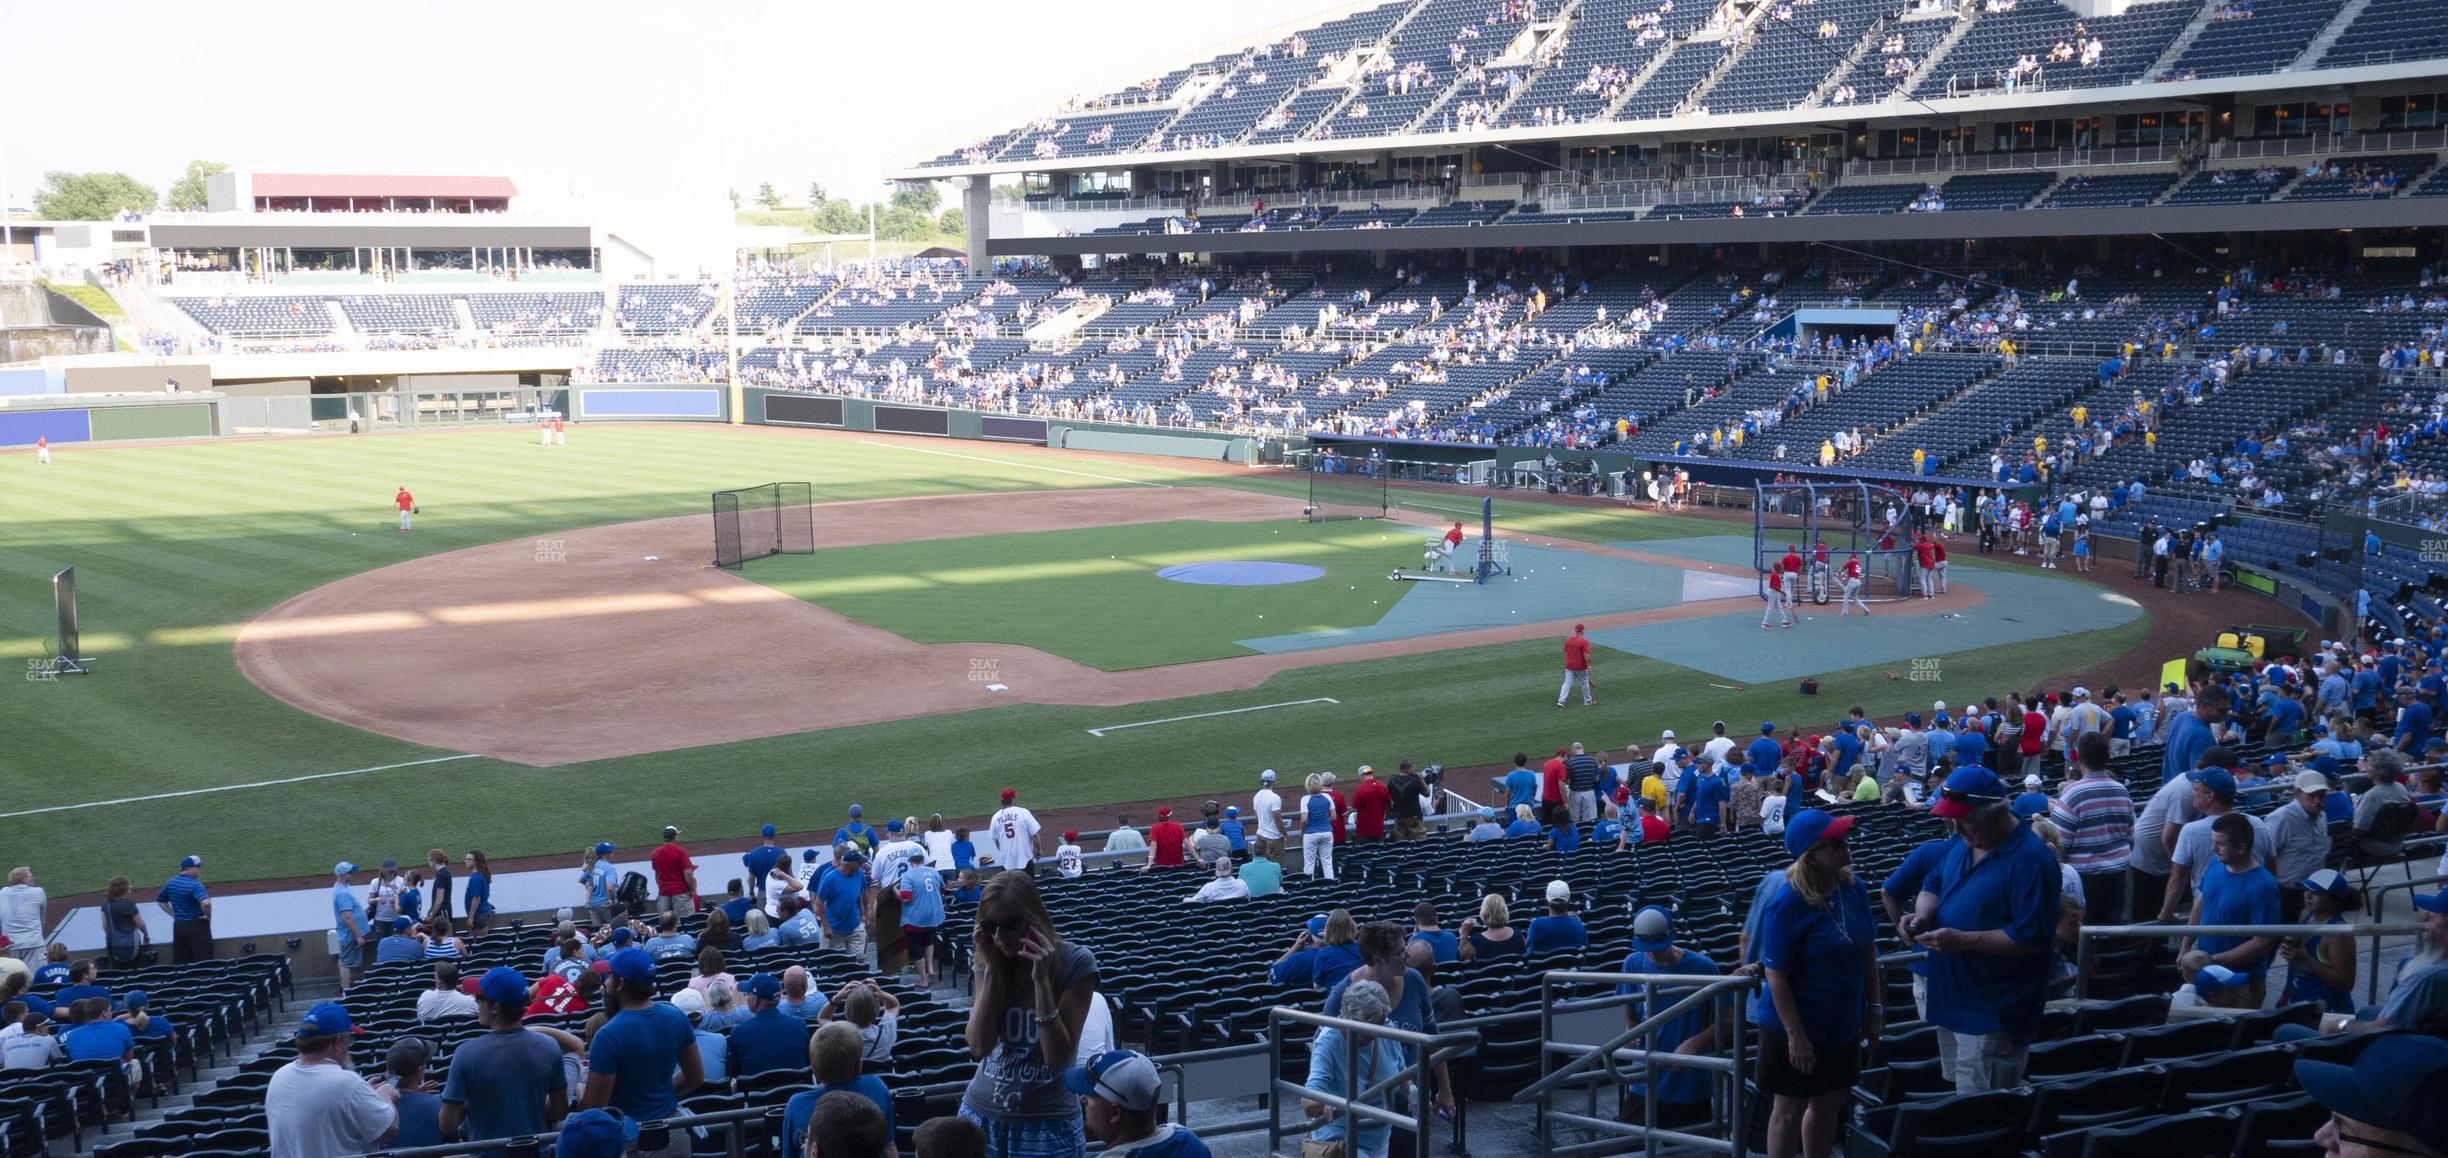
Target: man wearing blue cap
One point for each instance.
(1119, 1090)
(770, 1039)
(759, 862)
(1683, 1091)
(842, 902)
(317, 1105)
(189, 905)
(1988, 916)
(348, 921)
(632, 1059)
(857, 832)
(2392, 1101)
(508, 1083)
(600, 881)
(596, 1134)
(400, 945)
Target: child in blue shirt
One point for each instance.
(964, 851)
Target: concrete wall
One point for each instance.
(145, 378)
(29, 343)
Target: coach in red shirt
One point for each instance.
(675, 876)
(1369, 800)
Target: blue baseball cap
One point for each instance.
(623, 935)
(765, 986)
(1913, 718)
(2213, 978)
(1317, 925)
(2432, 902)
(596, 1134)
(400, 924)
(634, 966)
(1124, 1077)
(809, 855)
(137, 999)
(1652, 930)
(603, 848)
(325, 1020)
(1487, 813)
(188, 862)
(1232, 810)
(503, 985)
(2218, 780)
(1767, 726)
(892, 826)
(1967, 789)
(2399, 1082)
(2031, 804)
(1812, 826)
(768, 830)
(857, 811)
(2328, 881)
(344, 868)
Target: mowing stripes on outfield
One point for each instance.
(1099, 733)
(238, 787)
(1017, 465)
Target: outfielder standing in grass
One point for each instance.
(1576, 667)
(407, 504)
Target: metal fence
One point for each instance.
(1602, 1065)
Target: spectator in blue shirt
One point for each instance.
(420, 1111)
(1901, 892)
(1563, 836)
(189, 905)
(2413, 721)
(713, 1048)
(401, 945)
(770, 1039)
(1708, 799)
(633, 1058)
(1988, 917)
(2238, 891)
(1765, 754)
(1683, 1092)
(599, 880)
(1819, 950)
(1119, 1091)
(1523, 826)
(2188, 735)
(348, 922)
(1559, 930)
(1444, 947)
(1520, 784)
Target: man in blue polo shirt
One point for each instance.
(633, 1057)
(759, 862)
(1765, 754)
(189, 905)
(770, 1039)
(1988, 916)
(1683, 1091)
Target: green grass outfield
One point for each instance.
(177, 545)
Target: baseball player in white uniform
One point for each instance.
(1013, 833)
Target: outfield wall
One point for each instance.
(770, 407)
(56, 418)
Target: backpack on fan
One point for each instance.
(632, 893)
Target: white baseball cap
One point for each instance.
(1668, 734)
(1267, 777)
(2031, 780)
(2082, 693)
(1558, 892)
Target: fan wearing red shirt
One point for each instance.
(1342, 809)
(675, 876)
(1576, 667)
(1369, 800)
(2034, 740)
(1653, 828)
(1551, 787)
(1165, 841)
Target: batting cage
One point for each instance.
(772, 519)
(1851, 519)
(1345, 488)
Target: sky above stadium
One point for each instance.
(627, 97)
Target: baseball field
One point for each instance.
(284, 679)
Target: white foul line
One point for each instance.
(1018, 465)
(1099, 733)
(234, 787)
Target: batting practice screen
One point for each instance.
(754, 522)
(1346, 489)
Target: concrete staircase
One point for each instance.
(1861, 51)
(2345, 18)
(1937, 56)
(278, 1024)
(2183, 43)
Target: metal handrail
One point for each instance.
(2376, 932)
(1610, 1055)
(1434, 1049)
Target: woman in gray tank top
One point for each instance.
(1032, 997)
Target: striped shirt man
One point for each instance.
(185, 897)
(2095, 823)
